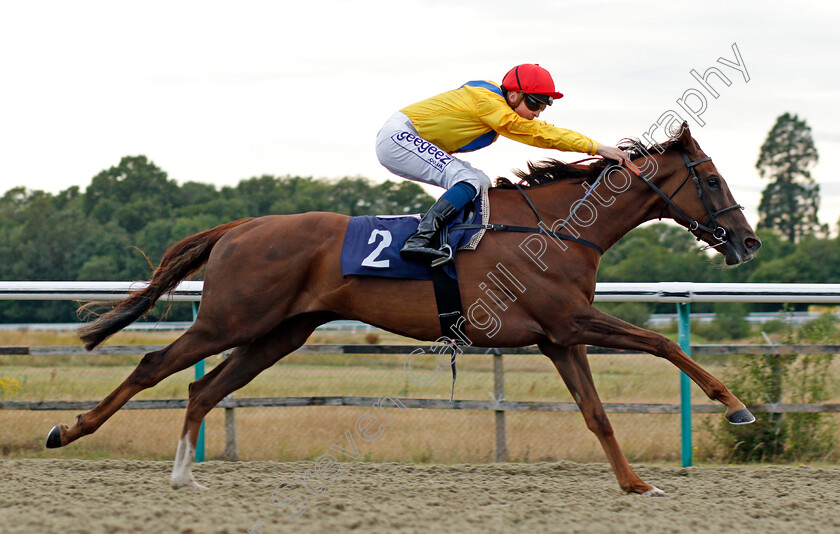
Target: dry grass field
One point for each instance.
(290, 434)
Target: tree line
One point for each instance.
(123, 222)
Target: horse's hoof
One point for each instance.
(54, 438)
(188, 485)
(741, 417)
(654, 492)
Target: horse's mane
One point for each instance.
(552, 170)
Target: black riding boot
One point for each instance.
(417, 247)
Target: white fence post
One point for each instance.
(499, 396)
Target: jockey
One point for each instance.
(418, 141)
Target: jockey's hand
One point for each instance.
(611, 152)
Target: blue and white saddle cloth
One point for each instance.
(372, 244)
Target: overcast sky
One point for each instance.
(220, 91)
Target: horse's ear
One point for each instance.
(685, 140)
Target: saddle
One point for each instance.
(372, 244)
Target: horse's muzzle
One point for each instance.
(740, 250)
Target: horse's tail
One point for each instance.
(181, 260)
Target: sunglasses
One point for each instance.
(537, 102)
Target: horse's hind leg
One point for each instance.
(237, 370)
(200, 341)
(573, 366)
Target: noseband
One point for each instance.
(711, 226)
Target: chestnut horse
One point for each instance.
(270, 281)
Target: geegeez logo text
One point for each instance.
(423, 149)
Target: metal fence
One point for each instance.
(498, 403)
(328, 375)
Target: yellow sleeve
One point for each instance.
(498, 116)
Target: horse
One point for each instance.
(270, 281)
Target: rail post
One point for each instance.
(499, 396)
(231, 451)
(199, 372)
(685, 386)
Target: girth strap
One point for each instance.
(448, 300)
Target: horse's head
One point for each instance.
(700, 200)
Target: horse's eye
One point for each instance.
(713, 183)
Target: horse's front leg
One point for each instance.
(590, 326)
(573, 366)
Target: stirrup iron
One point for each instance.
(450, 255)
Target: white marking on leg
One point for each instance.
(182, 469)
(654, 492)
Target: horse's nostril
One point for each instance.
(752, 243)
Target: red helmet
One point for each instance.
(530, 79)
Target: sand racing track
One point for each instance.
(70, 496)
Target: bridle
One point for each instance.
(711, 226)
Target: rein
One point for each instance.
(541, 228)
(530, 229)
(711, 226)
